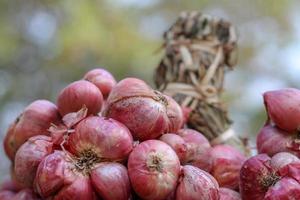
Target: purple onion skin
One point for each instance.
(283, 108)
(34, 120)
(226, 163)
(29, 156)
(80, 94)
(196, 184)
(111, 181)
(228, 194)
(285, 142)
(103, 79)
(153, 169)
(147, 113)
(268, 178)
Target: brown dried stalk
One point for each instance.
(198, 51)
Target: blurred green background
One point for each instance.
(45, 45)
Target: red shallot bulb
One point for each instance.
(283, 108)
(77, 95)
(87, 168)
(198, 148)
(102, 79)
(282, 159)
(28, 157)
(262, 177)
(56, 176)
(177, 143)
(196, 184)
(175, 115)
(111, 181)
(272, 140)
(147, 113)
(228, 194)
(35, 120)
(191, 147)
(108, 138)
(226, 164)
(153, 169)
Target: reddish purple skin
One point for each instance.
(198, 148)
(55, 178)
(177, 143)
(270, 135)
(226, 164)
(144, 117)
(259, 167)
(58, 177)
(111, 181)
(285, 189)
(102, 79)
(175, 115)
(110, 139)
(283, 108)
(196, 184)
(282, 159)
(147, 113)
(35, 120)
(77, 95)
(148, 182)
(228, 194)
(253, 170)
(28, 157)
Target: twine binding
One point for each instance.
(199, 49)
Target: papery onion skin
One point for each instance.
(283, 108)
(103, 79)
(198, 149)
(147, 113)
(111, 181)
(228, 194)
(56, 177)
(77, 95)
(285, 189)
(226, 164)
(191, 147)
(263, 177)
(196, 184)
(175, 115)
(35, 120)
(28, 157)
(108, 138)
(252, 173)
(153, 169)
(177, 143)
(282, 159)
(77, 188)
(270, 135)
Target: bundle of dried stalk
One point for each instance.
(198, 51)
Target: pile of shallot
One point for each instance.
(123, 140)
(275, 172)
